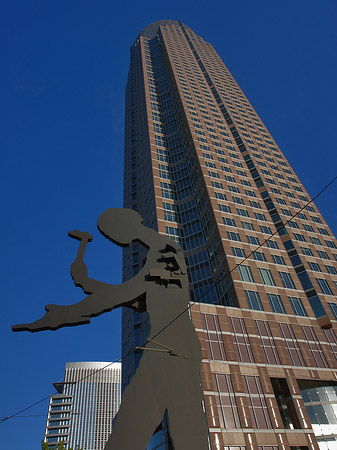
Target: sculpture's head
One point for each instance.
(121, 226)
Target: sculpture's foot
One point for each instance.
(80, 235)
(57, 316)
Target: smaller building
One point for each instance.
(81, 413)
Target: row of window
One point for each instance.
(258, 256)
(285, 277)
(234, 236)
(276, 303)
(216, 349)
(227, 407)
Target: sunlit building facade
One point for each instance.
(201, 167)
(81, 414)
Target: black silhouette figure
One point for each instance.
(167, 379)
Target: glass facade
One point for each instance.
(320, 399)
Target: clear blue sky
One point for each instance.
(62, 81)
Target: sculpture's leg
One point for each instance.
(188, 427)
(140, 412)
(187, 420)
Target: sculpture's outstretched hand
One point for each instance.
(57, 316)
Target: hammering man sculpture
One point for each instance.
(167, 379)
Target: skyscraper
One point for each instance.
(82, 413)
(201, 167)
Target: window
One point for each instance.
(332, 270)
(250, 193)
(245, 182)
(297, 306)
(213, 174)
(295, 205)
(242, 212)
(333, 307)
(266, 277)
(272, 244)
(293, 224)
(241, 340)
(224, 208)
(308, 228)
(278, 259)
(220, 196)
(331, 337)
(314, 266)
(276, 303)
(233, 236)
(254, 204)
(163, 171)
(286, 279)
(260, 216)
(229, 178)
(161, 155)
(234, 189)
(228, 221)
(174, 233)
(238, 200)
(166, 190)
(291, 344)
(259, 256)
(227, 169)
(299, 237)
(214, 341)
(217, 185)
(239, 252)
(267, 342)
(245, 274)
(316, 219)
(330, 244)
(286, 212)
(265, 229)
(257, 404)
(315, 241)
(253, 300)
(253, 240)
(322, 254)
(306, 251)
(302, 216)
(227, 411)
(324, 285)
(247, 226)
(170, 216)
(314, 346)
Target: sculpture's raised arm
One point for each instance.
(106, 299)
(122, 227)
(78, 269)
